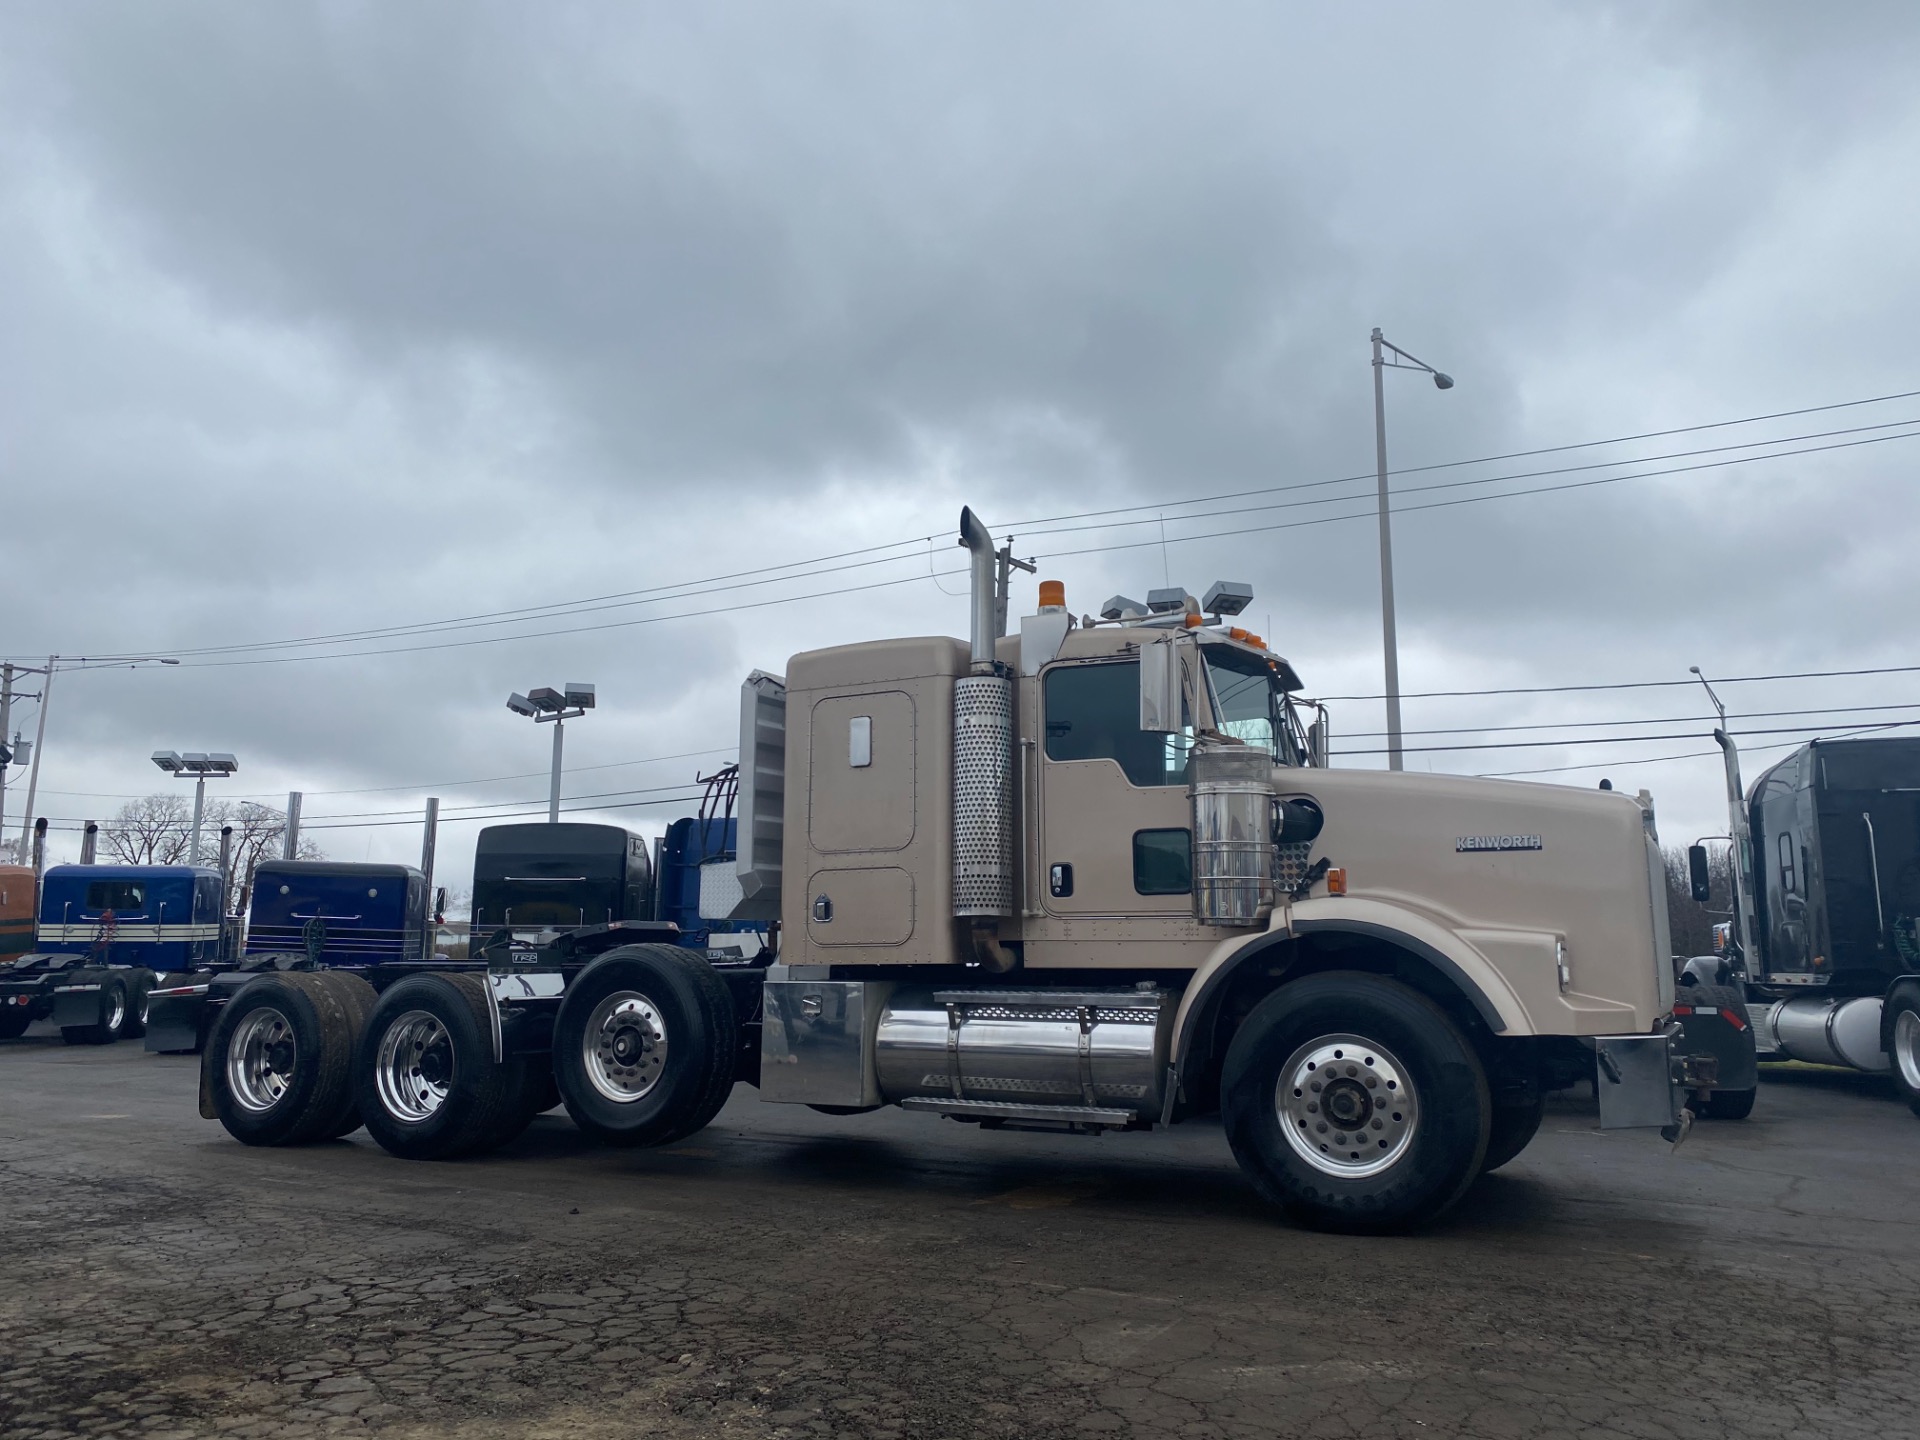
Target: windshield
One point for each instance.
(1248, 703)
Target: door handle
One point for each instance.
(1060, 881)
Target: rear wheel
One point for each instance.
(1903, 1041)
(1354, 1103)
(112, 1023)
(426, 1080)
(643, 1047)
(14, 1020)
(277, 1065)
(136, 1025)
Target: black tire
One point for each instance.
(1380, 1041)
(359, 998)
(637, 999)
(425, 1077)
(136, 1026)
(1513, 1129)
(278, 1064)
(14, 1020)
(1903, 1040)
(1730, 1104)
(116, 1005)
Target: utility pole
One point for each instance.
(1005, 565)
(39, 742)
(290, 842)
(6, 722)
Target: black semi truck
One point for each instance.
(1826, 872)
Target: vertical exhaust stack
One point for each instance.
(983, 864)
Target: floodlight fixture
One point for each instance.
(1166, 600)
(1226, 597)
(1120, 607)
(545, 704)
(197, 765)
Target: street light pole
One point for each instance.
(1389, 635)
(200, 766)
(39, 742)
(547, 706)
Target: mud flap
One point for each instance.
(1635, 1082)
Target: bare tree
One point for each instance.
(1692, 923)
(259, 833)
(152, 830)
(158, 830)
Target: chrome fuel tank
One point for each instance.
(1105, 1048)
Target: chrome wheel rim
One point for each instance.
(260, 1060)
(117, 1008)
(1346, 1106)
(624, 1049)
(1906, 1048)
(413, 1066)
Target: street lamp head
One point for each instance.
(1442, 380)
(167, 760)
(548, 699)
(520, 705)
(579, 695)
(1693, 669)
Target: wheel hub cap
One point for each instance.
(624, 1049)
(1346, 1106)
(1906, 1047)
(260, 1060)
(414, 1066)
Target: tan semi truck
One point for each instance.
(1093, 876)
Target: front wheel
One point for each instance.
(1354, 1103)
(1903, 1041)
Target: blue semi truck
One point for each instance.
(305, 915)
(103, 935)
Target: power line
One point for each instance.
(1482, 460)
(1640, 684)
(1619, 739)
(737, 579)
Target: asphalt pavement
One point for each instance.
(786, 1273)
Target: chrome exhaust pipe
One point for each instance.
(979, 542)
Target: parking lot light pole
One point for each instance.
(1389, 638)
(199, 765)
(556, 706)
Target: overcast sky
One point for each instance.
(338, 318)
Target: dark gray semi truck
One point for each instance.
(1823, 941)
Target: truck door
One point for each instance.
(1113, 799)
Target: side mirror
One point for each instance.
(440, 905)
(1697, 873)
(1160, 686)
(1296, 822)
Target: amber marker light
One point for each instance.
(1337, 880)
(1053, 594)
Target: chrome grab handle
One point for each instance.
(1873, 859)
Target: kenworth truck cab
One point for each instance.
(104, 933)
(1824, 941)
(1091, 877)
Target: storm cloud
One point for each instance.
(332, 318)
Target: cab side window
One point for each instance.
(1093, 713)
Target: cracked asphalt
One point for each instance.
(786, 1273)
